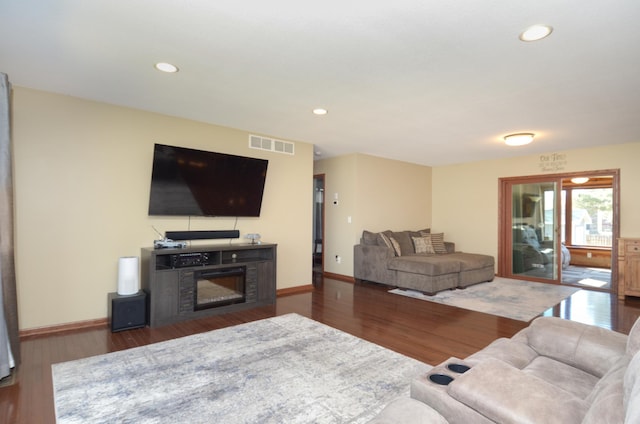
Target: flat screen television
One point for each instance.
(191, 182)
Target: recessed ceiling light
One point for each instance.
(320, 111)
(166, 67)
(519, 139)
(536, 32)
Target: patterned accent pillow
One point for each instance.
(437, 240)
(423, 245)
(396, 246)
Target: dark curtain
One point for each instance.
(9, 341)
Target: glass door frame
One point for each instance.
(505, 236)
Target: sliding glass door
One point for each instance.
(549, 222)
(529, 224)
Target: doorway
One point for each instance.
(317, 251)
(560, 229)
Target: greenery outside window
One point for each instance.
(587, 217)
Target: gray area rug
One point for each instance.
(287, 369)
(505, 297)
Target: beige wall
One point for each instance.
(465, 197)
(377, 194)
(459, 200)
(82, 174)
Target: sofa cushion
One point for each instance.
(513, 351)
(470, 261)
(590, 348)
(403, 239)
(426, 265)
(369, 238)
(573, 380)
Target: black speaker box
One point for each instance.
(127, 311)
(202, 235)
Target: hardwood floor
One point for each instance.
(423, 330)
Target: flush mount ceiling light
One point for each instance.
(166, 67)
(320, 111)
(519, 139)
(579, 180)
(536, 32)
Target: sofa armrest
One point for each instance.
(505, 394)
(587, 347)
(370, 264)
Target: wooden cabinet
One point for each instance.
(201, 281)
(628, 267)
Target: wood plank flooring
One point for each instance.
(423, 330)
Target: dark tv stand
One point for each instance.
(170, 277)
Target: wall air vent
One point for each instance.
(278, 146)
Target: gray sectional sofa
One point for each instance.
(554, 371)
(418, 260)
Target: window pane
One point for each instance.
(591, 217)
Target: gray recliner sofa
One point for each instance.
(554, 371)
(394, 258)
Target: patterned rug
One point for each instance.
(287, 369)
(505, 297)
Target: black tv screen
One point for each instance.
(192, 182)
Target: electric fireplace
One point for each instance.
(202, 281)
(219, 287)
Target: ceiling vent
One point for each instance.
(278, 146)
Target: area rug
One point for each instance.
(505, 297)
(286, 369)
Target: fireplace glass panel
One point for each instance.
(219, 287)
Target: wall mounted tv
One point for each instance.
(190, 182)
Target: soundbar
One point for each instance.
(202, 235)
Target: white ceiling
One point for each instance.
(429, 82)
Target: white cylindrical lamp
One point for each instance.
(128, 275)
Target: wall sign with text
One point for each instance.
(552, 162)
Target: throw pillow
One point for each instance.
(396, 246)
(383, 240)
(391, 243)
(437, 240)
(423, 245)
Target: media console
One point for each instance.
(201, 281)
